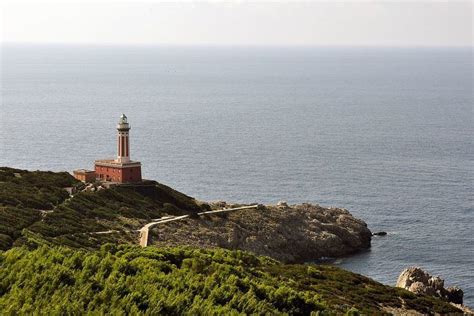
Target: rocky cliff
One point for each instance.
(296, 233)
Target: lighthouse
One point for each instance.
(122, 169)
(123, 140)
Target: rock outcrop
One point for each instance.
(415, 280)
(289, 233)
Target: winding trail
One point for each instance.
(145, 229)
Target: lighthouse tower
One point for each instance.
(123, 139)
(122, 169)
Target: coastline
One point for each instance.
(53, 212)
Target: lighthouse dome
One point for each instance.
(123, 123)
(123, 119)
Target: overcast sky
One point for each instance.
(374, 23)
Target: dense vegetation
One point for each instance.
(37, 204)
(22, 194)
(128, 279)
(37, 189)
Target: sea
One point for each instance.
(386, 133)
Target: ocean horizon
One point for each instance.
(383, 132)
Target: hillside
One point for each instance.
(173, 281)
(35, 205)
(65, 254)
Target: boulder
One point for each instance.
(282, 204)
(220, 204)
(420, 288)
(412, 275)
(454, 294)
(436, 283)
(415, 280)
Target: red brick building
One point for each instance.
(84, 175)
(122, 169)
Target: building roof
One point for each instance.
(83, 171)
(115, 163)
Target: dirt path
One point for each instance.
(229, 209)
(145, 229)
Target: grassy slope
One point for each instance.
(130, 279)
(24, 194)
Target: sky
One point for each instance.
(289, 23)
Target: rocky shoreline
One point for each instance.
(289, 233)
